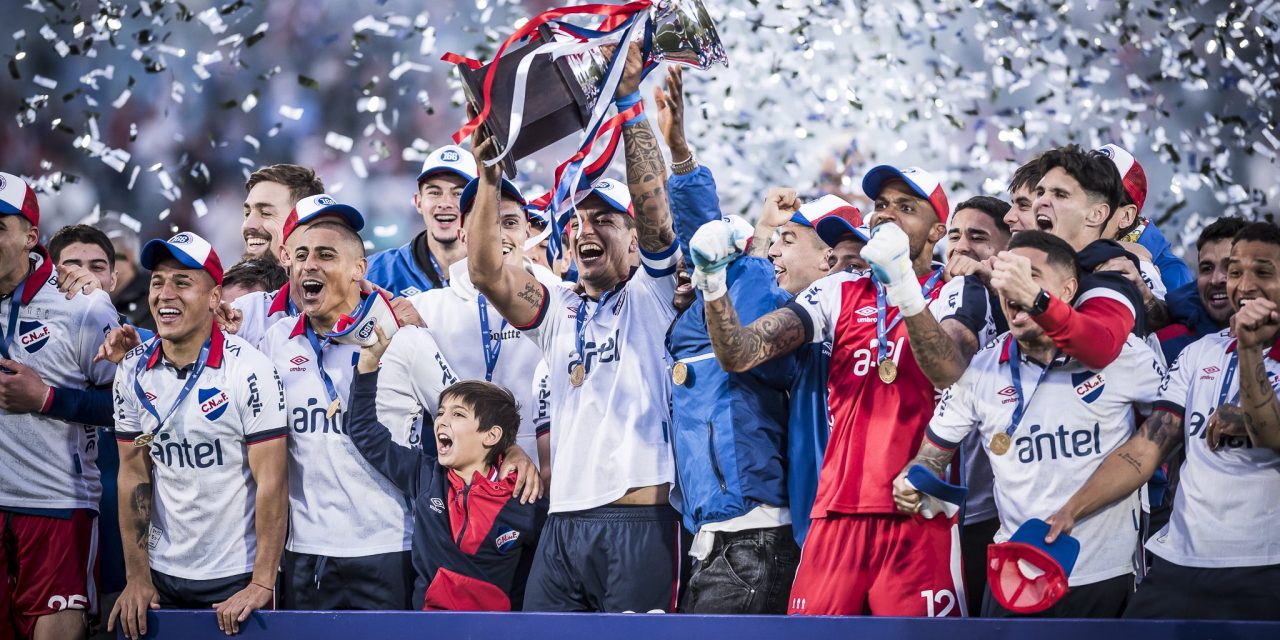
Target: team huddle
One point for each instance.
(686, 412)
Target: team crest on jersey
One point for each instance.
(506, 539)
(1088, 385)
(213, 402)
(1009, 394)
(32, 335)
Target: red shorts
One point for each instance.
(46, 567)
(882, 565)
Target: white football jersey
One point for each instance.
(260, 310)
(413, 372)
(1073, 420)
(612, 433)
(202, 514)
(1227, 505)
(48, 463)
(453, 317)
(339, 505)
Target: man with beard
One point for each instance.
(603, 341)
(271, 193)
(424, 263)
(1201, 307)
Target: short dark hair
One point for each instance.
(251, 272)
(1220, 229)
(493, 406)
(1028, 175)
(994, 207)
(82, 233)
(1258, 232)
(1095, 172)
(1058, 252)
(346, 232)
(301, 181)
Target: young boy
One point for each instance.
(470, 532)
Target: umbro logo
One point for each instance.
(1009, 394)
(437, 505)
(1209, 372)
(410, 291)
(866, 314)
(151, 397)
(297, 362)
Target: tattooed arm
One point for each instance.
(943, 350)
(512, 290)
(935, 459)
(1123, 472)
(139, 593)
(740, 348)
(1254, 325)
(646, 173)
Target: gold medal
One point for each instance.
(333, 409)
(888, 371)
(680, 373)
(142, 440)
(1000, 443)
(577, 375)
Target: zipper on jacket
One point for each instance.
(715, 461)
(466, 514)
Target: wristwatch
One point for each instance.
(1041, 304)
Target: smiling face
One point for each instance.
(603, 243)
(799, 257)
(514, 231)
(265, 208)
(1253, 271)
(328, 265)
(1021, 216)
(460, 441)
(89, 256)
(1055, 279)
(974, 234)
(17, 239)
(182, 300)
(1211, 280)
(899, 204)
(1066, 210)
(437, 202)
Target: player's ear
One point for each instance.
(215, 297)
(492, 436)
(1069, 289)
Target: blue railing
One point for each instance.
(393, 625)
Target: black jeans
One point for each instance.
(746, 572)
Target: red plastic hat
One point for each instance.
(925, 184)
(1134, 178)
(17, 199)
(1026, 575)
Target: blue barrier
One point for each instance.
(392, 625)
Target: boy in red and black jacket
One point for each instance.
(470, 530)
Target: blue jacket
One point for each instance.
(729, 427)
(808, 429)
(396, 271)
(1173, 271)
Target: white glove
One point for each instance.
(889, 254)
(713, 284)
(713, 247)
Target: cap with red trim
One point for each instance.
(614, 193)
(832, 217)
(1131, 173)
(925, 184)
(188, 249)
(449, 159)
(1025, 574)
(18, 199)
(469, 194)
(312, 208)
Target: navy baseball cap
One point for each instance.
(509, 189)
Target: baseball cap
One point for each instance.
(614, 193)
(187, 248)
(17, 199)
(832, 217)
(449, 159)
(1131, 173)
(1025, 574)
(312, 208)
(922, 182)
(940, 498)
(358, 327)
(509, 189)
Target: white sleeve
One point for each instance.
(253, 320)
(128, 421)
(558, 304)
(260, 400)
(955, 416)
(542, 396)
(1177, 381)
(657, 273)
(819, 305)
(1142, 373)
(1151, 276)
(99, 318)
(412, 374)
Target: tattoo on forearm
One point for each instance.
(759, 245)
(940, 358)
(740, 348)
(1157, 314)
(1261, 416)
(934, 458)
(1133, 462)
(1165, 430)
(646, 178)
(140, 507)
(532, 294)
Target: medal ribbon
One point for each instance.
(581, 320)
(1227, 378)
(318, 347)
(1015, 372)
(15, 307)
(182, 395)
(444, 277)
(882, 331)
(492, 348)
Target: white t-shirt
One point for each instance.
(260, 310)
(413, 372)
(47, 463)
(202, 515)
(612, 433)
(452, 315)
(1073, 420)
(1226, 510)
(339, 505)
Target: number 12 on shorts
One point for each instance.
(933, 599)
